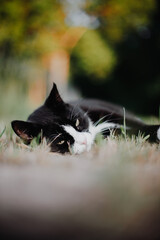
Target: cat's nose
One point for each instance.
(83, 141)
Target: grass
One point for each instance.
(111, 192)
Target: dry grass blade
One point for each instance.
(111, 191)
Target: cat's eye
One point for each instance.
(77, 122)
(61, 142)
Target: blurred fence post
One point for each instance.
(58, 69)
(37, 91)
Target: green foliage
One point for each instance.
(95, 57)
(120, 16)
(131, 29)
(27, 26)
(122, 50)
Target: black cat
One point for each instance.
(72, 127)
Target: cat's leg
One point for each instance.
(152, 131)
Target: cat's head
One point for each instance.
(65, 126)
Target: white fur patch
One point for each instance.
(84, 140)
(158, 133)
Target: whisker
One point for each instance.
(69, 147)
(53, 135)
(56, 137)
(96, 123)
(86, 113)
(71, 115)
(76, 114)
(107, 115)
(107, 129)
(108, 120)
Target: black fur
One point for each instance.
(54, 113)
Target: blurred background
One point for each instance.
(107, 49)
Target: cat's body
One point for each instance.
(72, 127)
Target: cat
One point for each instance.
(72, 127)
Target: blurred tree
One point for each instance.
(114, 57)
(27, 27)
(95, 57)
(118, 17)
(131, 29)
(35, 29)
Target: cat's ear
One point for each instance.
(54, 97)
(26, 130)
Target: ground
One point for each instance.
(111, 192)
